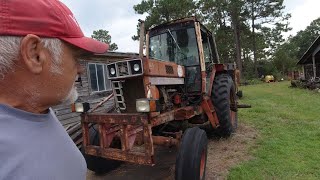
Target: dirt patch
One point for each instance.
(223, 154)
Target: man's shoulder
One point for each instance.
(38, 150)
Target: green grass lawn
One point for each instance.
(288, 123)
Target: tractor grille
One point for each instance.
(123, 68)
(169, 69)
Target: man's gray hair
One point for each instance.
(10, 47)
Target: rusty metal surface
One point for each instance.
(208, 108)
(203, 82)
(184, 113)
(116, 154)
(85, 132)
(126, 127)
(162, 170)
(102, 134)
(212, 76)
(141, 38)
(107, 135)
(162, 118)
(197, 27)
(124, 138)
(177, 114)
(201, 56)
(165, 141)
(116, 118)
(158, 68)
(210, 103)
(220, 67)
(148, 141)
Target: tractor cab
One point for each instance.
(187, 43)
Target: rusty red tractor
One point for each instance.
(178, 94)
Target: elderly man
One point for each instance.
(40, 43)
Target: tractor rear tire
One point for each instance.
(192, 155)
(223, 93)
(97, 164)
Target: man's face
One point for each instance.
(63, 84)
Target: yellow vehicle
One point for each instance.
(269, 78)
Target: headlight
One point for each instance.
(112, 71)
(147, 105)
(142, 105)
(80, 107)
(136, 67)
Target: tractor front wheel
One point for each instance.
(97, 164)
(192, 155)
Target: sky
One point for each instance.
(303, 12)
(119, 18)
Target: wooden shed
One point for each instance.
(93, 87)
(311, 61)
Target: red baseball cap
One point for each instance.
(45, 18)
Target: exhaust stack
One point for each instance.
(141, 38)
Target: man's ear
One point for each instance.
(33, 53)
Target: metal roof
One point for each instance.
(307, 56)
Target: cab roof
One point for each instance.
(186, 20)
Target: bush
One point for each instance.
(251, 81)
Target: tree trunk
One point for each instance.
(244, 61)
(236, 31)
(254, 41)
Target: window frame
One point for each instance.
(173, 31)
(105, 79)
